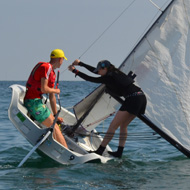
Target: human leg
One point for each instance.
(131, 107)
(57, 135)
(43, 115)
(123, 128)
(123, 135)
(122, 118)
(116, 122)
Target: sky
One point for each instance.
(91, 30)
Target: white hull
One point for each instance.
(78, 147)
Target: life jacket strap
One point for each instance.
(139, 93)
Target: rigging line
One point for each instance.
(129, 134)
(107, 28)
(129, 137)
(156, 6)
(97, 121)
(63, 71)
(140, 37)
(185, 7)
(132, 138)
(132, 134)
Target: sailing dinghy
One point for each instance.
(161, 61)
(78, 145)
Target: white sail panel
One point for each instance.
(161, 62)
(103, 108)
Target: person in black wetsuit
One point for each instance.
(117, 84)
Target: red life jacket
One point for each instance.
(33, 85)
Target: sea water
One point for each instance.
(148, 162)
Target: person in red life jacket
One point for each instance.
(118, 85)
(41, 81)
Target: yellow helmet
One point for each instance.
(57, 53)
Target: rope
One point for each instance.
(107, 28)
(99, 120)
(111, 25)
(104, 31)
(140, 37)
(156, 6)
(64, 70)
(130, 136)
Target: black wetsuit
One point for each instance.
(119, 85)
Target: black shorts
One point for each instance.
(135, 105)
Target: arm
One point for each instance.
(88, 67)
(51, 91)
(89, 78)
(46, 89)
(102, 79)
(80, 63)
(52, 99)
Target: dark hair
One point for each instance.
(112, 68)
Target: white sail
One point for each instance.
(161, 61)
(104, 107)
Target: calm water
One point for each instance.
(148, 162)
